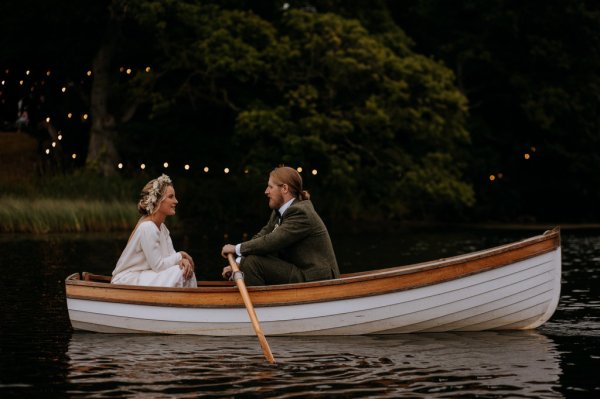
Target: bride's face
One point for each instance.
(169, 202)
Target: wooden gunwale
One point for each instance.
(354, 285)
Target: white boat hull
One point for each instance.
(522, 295)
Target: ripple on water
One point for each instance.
(523, 364)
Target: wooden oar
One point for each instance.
(238, 277)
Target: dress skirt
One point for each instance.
(171, 277)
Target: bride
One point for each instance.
(149, 257)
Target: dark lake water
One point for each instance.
(42, 357)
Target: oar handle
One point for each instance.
(239, 281)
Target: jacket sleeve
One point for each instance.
(295, 227)
(149, 241)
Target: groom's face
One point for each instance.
(274, 193)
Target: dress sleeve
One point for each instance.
(150, 243)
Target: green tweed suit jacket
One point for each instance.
(301, 239)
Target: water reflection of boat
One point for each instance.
(513, 286)
(464, 364)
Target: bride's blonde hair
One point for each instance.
(152, 194)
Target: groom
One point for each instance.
(294, 246)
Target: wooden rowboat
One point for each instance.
(510, 287)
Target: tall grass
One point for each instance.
(47, 215)
(80, 202)
(77, 202)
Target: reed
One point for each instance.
(46, 215)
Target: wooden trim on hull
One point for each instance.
(349, 286)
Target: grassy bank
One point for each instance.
(82, 202)
(47, 215)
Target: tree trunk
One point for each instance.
(102, 155)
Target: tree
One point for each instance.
(381, 125)
(530, 73)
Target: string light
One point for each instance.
(37, 86)
(526, 156)
(492, 177)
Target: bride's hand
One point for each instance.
(188, 269)
(185, 255)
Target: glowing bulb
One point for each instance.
(186, 167)
(166, 165)
(47, 151)
(53, 144)
(147, 69)
(226, 170)
(299, 169)
(47, 119)
(246, 171)
(206, 169)
(48, 73)
(84, 117)
(21, 82)
(128, 71)
(60, 136)
(89, 73)
(143, 166)
(64, 89)
(69, 115)
(492, 177)
(3, 82)
(73, 155)
(120, 165)
(526, 156)
(27, 73)
(314, 172)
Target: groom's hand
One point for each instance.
(227, 249)
(227, 272)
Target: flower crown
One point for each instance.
(153, 195)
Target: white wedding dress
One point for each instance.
(150, 259)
